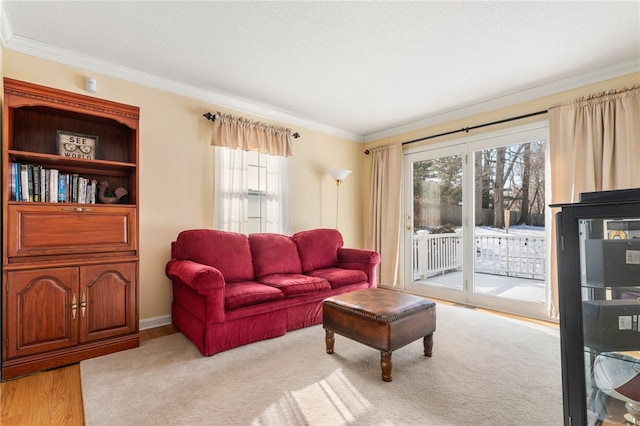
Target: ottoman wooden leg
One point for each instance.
(428, 344)
(329, 340)
(385, 364)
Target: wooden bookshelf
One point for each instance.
(69, 270)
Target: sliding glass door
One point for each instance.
(475, 221)
(434, 217)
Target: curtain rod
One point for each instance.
(467, 129)
(212, 117)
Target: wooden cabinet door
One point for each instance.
(108, 300)
(41, 310)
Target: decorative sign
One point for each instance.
(76, 145)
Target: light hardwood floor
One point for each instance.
(51, 397)
(55, 397)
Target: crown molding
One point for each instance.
(5, 25)
(590, 77)
(63, 56)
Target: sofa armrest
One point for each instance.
(197, 289)
(360, 259)
(201, 278)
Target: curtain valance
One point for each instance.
(248, 135)
(601, 98)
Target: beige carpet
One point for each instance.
(486, 370)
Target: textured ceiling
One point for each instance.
(362, 68)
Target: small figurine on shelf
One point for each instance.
(107, 196)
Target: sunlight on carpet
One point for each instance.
(333, 400)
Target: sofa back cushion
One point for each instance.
(318, 248)
(229, 252)
(274, 254)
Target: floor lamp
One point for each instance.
(338, 175)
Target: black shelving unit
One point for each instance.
(598, 242)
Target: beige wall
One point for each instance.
(176, 169)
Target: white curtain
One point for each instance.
(231, 199)
(276, 215)
(383, 228)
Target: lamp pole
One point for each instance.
(338, 182)
(338, 175)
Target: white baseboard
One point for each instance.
(155, 322)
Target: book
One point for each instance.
(12, 182)
(53, 185)
(94, 191)
(62, 187)
(82, 190)
(30, 182)
(73, 191)
(16, 182)
(24, 182)
(43, 184)
(36, 183)
(68, 188)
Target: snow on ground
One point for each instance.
(513, 230)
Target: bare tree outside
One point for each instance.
(514, 176)
(498, 189)
(477, 184)
(526, 177)
(505, 179)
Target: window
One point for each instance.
(251, 192)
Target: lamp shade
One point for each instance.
(339, 174)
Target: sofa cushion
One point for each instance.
(274, 254)
(293, 285)
(228, 252)
(339, 277)
(318, 248)
(246, 293)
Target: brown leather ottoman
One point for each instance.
(383, 319)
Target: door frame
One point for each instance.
(467, 145)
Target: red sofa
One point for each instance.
(232, 289)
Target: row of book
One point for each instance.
(33, 183)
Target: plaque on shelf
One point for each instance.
(77, 145)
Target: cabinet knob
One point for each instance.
(83, 304)
(74, 306)
(76, 209)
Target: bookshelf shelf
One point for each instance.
(70, 163)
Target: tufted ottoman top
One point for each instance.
(381, 305)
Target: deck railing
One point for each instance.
(508, 255)
(436, 253)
